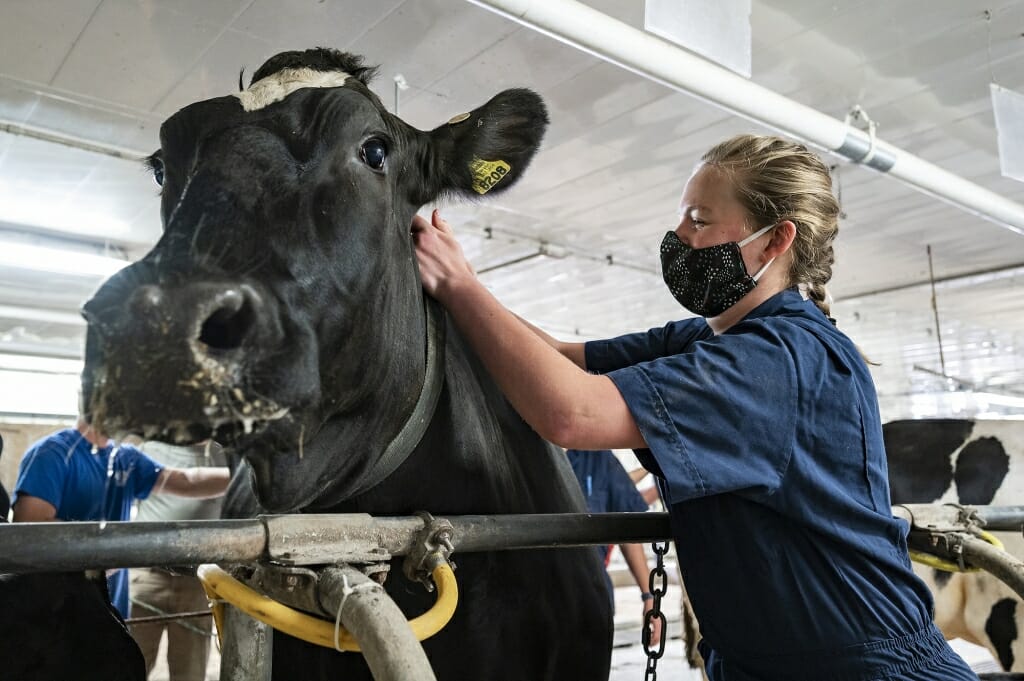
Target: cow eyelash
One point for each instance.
(155, 164)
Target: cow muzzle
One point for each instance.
(179, 362)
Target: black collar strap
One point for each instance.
(399, 449)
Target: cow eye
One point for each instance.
(373, 152)
(156, 164)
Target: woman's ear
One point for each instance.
(782, 239)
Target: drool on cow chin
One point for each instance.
(178, 360)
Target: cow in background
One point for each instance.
(974, 463)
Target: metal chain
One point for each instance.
(658, 585)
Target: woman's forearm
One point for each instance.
(553, 394)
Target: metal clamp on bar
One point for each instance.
(857, 113)
(937, 534)
(431, 549)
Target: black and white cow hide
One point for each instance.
(975, 463)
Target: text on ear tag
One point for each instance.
(486, 174)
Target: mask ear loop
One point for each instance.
(756, 234)
(751, 238)
(761, 271)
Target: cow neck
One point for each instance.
(399, 449)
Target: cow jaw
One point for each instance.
(200, 408)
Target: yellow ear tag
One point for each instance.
(486, 174)
(458, 118)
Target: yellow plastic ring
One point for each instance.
(947, 565)
(222, 587)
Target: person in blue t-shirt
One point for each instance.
(607, 488)
(759, 414)
(79, 474)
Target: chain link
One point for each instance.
(658, 585)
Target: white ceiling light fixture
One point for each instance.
(718, 30)
(1008, 107)
(40, 365)
(26, 255)
(45, 316)
(36, 394)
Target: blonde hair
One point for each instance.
(776, 180)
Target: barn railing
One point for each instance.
(287, 543)
(281, 545)
(300, 539)
(331, 538)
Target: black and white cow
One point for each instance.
(967, 462)
(282, 313)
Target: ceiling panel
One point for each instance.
(424, 41)
(38, 34)
(217, 72)
(323, 23)
(133, 53)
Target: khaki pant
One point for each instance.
(187, 650)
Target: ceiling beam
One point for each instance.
(66, 140)
(975, 278)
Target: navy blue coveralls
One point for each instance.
(769, 441)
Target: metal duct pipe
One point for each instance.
(1006, 568)
(391, 650)
(587, 29)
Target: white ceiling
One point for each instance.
(84, 85)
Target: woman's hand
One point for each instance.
(443, 266)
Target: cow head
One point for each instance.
(281, 311)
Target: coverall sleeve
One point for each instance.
(720, 418)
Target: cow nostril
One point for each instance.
(228, 325)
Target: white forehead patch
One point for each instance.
(276, 87)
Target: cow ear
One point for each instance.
(485, 151)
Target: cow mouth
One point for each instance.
(208, 404)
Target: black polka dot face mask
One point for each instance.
(708, 281)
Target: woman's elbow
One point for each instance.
(565, 429)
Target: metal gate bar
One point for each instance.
(309, 539)
(299, 539)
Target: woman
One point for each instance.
(759, 415)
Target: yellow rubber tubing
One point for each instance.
(220, 585)
(947, 565)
